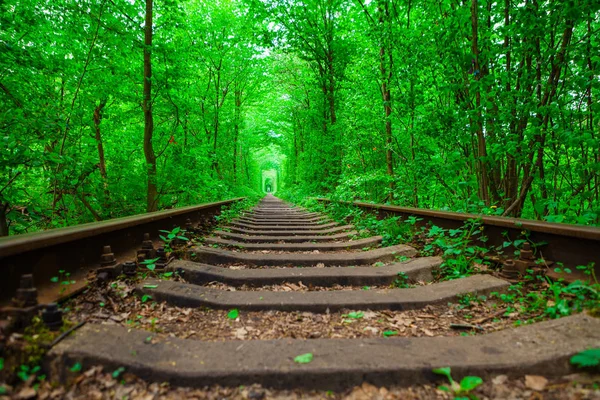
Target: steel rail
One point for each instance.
(77, 249)
(570, 244)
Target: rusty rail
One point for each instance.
(570, 244)
(77, 249)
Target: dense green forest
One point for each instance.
(112, 107)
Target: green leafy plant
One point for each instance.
(458, 251)
(63, 279)
(117, 372)
(461, 390)
(150, 264)
(587, 359)
(233, 314)
(172, 235)
(353, 315)
(25, 371)
(303, 358)
(76, 367)
(401, 282)
(590, 271)
(572, 297)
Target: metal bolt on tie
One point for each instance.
(52, 317)
(147, 243)
(526, 253)
(107, 259)
(26, 295)
(129, 268)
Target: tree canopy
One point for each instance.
(110, 108)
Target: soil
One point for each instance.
(118, 304)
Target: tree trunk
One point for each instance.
(236, 131)
(152, 193)
(3, 219)
(101, 159)
(385, 69)
(481, 144)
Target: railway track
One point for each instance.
(290, 300)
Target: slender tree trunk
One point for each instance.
(236, 130)
(511, 180)
(3, 219)
(385, 69)
(543, 117)
(481, 144)
(101, 159)
(152, 193)
(590, 101)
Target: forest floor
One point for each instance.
(119, 303)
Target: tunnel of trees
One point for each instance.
(111, 108)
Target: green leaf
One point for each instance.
(146, 297)
(233, 314)
(54, 279)
(150, 286)
(168, 274)
(469, 383)
(356, 315)
(1, 364)
(389, 333)
(304, 358)
(446, 371)
(116, 373)
(587, 358)
(76, 367)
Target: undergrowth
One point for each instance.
(465, 251)
(234, 210)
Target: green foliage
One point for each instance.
(63, 279)
(76, 367)
(402, 281)
(469, 132)
(303, 358)
(25, 371)
(354, 315)
(233, 314)
(458, 249)
(71, 125)
(570, 298)
(117, 372)
(551, 298)
(150, 263)
(235, 210)
(146, 297)
(175, 233)
(462, 389)
(294, 94)
(587, 358)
